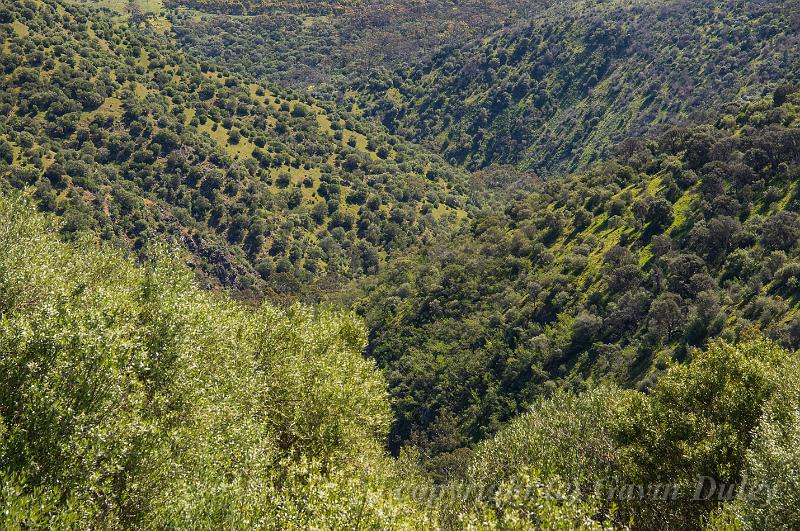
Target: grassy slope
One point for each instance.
(142, 88)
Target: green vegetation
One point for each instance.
(126, 137)
(698, 421)
(557, 91)
(548, 86)
(612, 348)
(308, 44)
(609, 274)
(129, 398)
(255, 7)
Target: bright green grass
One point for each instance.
(243, 149)
(20, 29)
(121, 6)
(110, 107)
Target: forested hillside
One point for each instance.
(131, 399)
(554, 249)
(557, 91)
(548, 86)
(306, 44)
(613, 273)
(255, 7)
(125, 136)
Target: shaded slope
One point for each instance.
(607, 274)
(556, 92)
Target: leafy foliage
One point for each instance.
(697, 422)
(609, 274)
(772, 463)
(558, 90)
(129, 398)
(551, 348)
